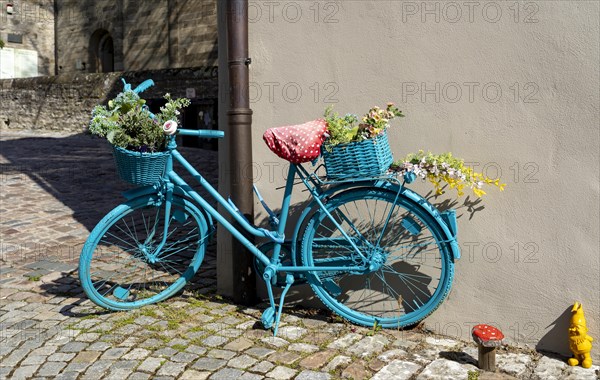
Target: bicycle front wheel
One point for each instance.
(123, 266)
(408, 268)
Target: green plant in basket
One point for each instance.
(126, 121)
(347, 129)
(444, 168)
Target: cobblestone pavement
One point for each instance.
(53, 191)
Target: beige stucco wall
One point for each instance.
(533, 249)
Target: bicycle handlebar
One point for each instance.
(205, 133)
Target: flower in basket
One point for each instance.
(346, 129)
(445, 169)
(126, 121)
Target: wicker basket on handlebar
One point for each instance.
(140, 168)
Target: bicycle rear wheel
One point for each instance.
(409, 268)
(120, 266)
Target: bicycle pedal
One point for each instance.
(180, 215)
(121, 293)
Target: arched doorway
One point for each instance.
(101, 52)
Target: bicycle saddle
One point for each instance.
(297, 143)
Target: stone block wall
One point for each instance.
(33, 22)
(147, 35)
(64, 102)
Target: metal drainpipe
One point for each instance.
(240, 143)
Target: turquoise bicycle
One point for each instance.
(372, 250)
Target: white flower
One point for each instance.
(170, 127)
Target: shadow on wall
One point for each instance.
(557, 338)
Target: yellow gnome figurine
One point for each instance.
(579, 341)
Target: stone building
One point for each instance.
(132, 35)
(71, 45)
(27, 28)
(47, 37)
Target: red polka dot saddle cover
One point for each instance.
(297, 143)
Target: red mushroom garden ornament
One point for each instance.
(487, 338)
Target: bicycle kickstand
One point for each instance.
(269, 316)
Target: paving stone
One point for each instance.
(443, 368)
(242, 362)
(246, 325)
(130, 342)
(88, 337)
(15, 357)
(171, 369)
(292, 332)
(44, 351)
(24, 371)
(184, 357)
(99, 346)
(61, 357)
(67, 376)
(338, 361)
(227, 374)
(114, 353)
(397, 370)
(139, 376)
(136, 354)
(281, 373)
(125, 364)
(98, 369)
(262, 367)
(51, 369)
(165, 352)
(312, 375)
(388, 356)
(549, 369)
(441, 342)
(4, 371)
(150, 364)
(239, 344)
(344, 342)
(74, 347)
(250, 376)
(317, 360)
(513, 364)
(118, 374)
(303, 347)
(221, 354)
(196, 350)
(312, 323)
(191, 374)
(580, 373)
(209, 364)
(77, 367)
(35, 359)
(275, 341)
(356, 370)
(285, 357)
(215, 341)
(368, 346)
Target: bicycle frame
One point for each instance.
(277, 236)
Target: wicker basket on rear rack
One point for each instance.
(140, 168)
(367, 158)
